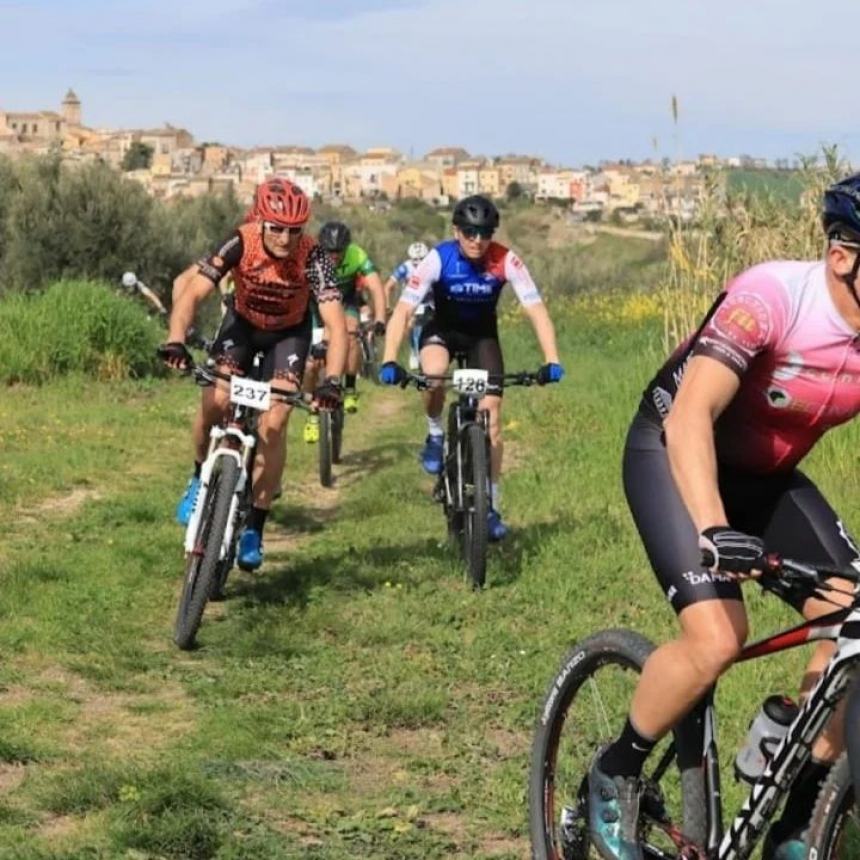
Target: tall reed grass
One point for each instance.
(75, 326)
(736, 230)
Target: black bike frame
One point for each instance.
(699, 729)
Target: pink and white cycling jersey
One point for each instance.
(798, 360)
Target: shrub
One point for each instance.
(75, 326)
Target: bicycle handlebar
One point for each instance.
(423, 380)
(773, 564)
(203, 373)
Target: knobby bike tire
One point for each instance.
(325, 449)
(226, 564)
(476, 502)
(834, 829)
(627, 650)
(202, 570)
(368, 354)
(451, 495)
(337, 422)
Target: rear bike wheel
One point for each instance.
(325, 448)
(476, 502)
(201, 570)
(834, 829)
(585, 707)
(337, 422)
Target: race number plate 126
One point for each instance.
(468, 380)
(250, 392)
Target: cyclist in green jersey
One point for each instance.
(354, 271)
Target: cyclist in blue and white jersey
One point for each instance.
(465, 276)
(416, 252)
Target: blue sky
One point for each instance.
(575, 81)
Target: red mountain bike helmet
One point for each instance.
(281, 202)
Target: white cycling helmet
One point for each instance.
(129, 280)
(417, 251)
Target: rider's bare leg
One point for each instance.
(214, 404)
(678, 673)
(271, 451)
(434, 362)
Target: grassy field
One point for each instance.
(354, 698)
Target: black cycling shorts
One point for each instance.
(482, 349)
(786, 510)
(284, 351)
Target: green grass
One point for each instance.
(352, 699)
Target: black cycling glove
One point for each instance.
(379, 328)
(327, 395)
(730, 551)
(175, 354)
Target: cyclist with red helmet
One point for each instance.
(711, 463)
(277, 269)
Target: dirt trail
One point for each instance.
(319, 504)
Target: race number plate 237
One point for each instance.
(250, 392)
(468, 380)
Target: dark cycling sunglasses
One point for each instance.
(278, 230)
(477, 232)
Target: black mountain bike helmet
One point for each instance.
(334, 236)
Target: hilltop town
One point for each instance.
(168, 162)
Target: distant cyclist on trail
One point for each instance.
(277, 269)
(711, 464)
(416, 252)
(465, 276)
(354, 271)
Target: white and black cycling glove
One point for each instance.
(724, 549)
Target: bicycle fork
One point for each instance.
(242, 454)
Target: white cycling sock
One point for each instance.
(495, 495)
(434, 426)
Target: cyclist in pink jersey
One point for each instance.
(710, 463)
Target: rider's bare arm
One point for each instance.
(388, 289)
(182, 316)
(181, 282)
(527, 293)
(706, 390)
(334, 319)
(373, 284)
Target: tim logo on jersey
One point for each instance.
(473, 290)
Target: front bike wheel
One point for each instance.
(476, 491)
(325, 449)
(202, 566)
(369, 364)
(834, 830)
(337, 421)
(585, 707)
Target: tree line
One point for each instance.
(61, 221)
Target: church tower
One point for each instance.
(71, 108)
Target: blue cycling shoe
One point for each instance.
(250, 554)
(186, 503)
(613, 814)
(497, 529)
(431, 454)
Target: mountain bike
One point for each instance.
(331, 422)
(463, 485)
(224, 497)
(681, 812)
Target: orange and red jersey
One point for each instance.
(272, 293)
